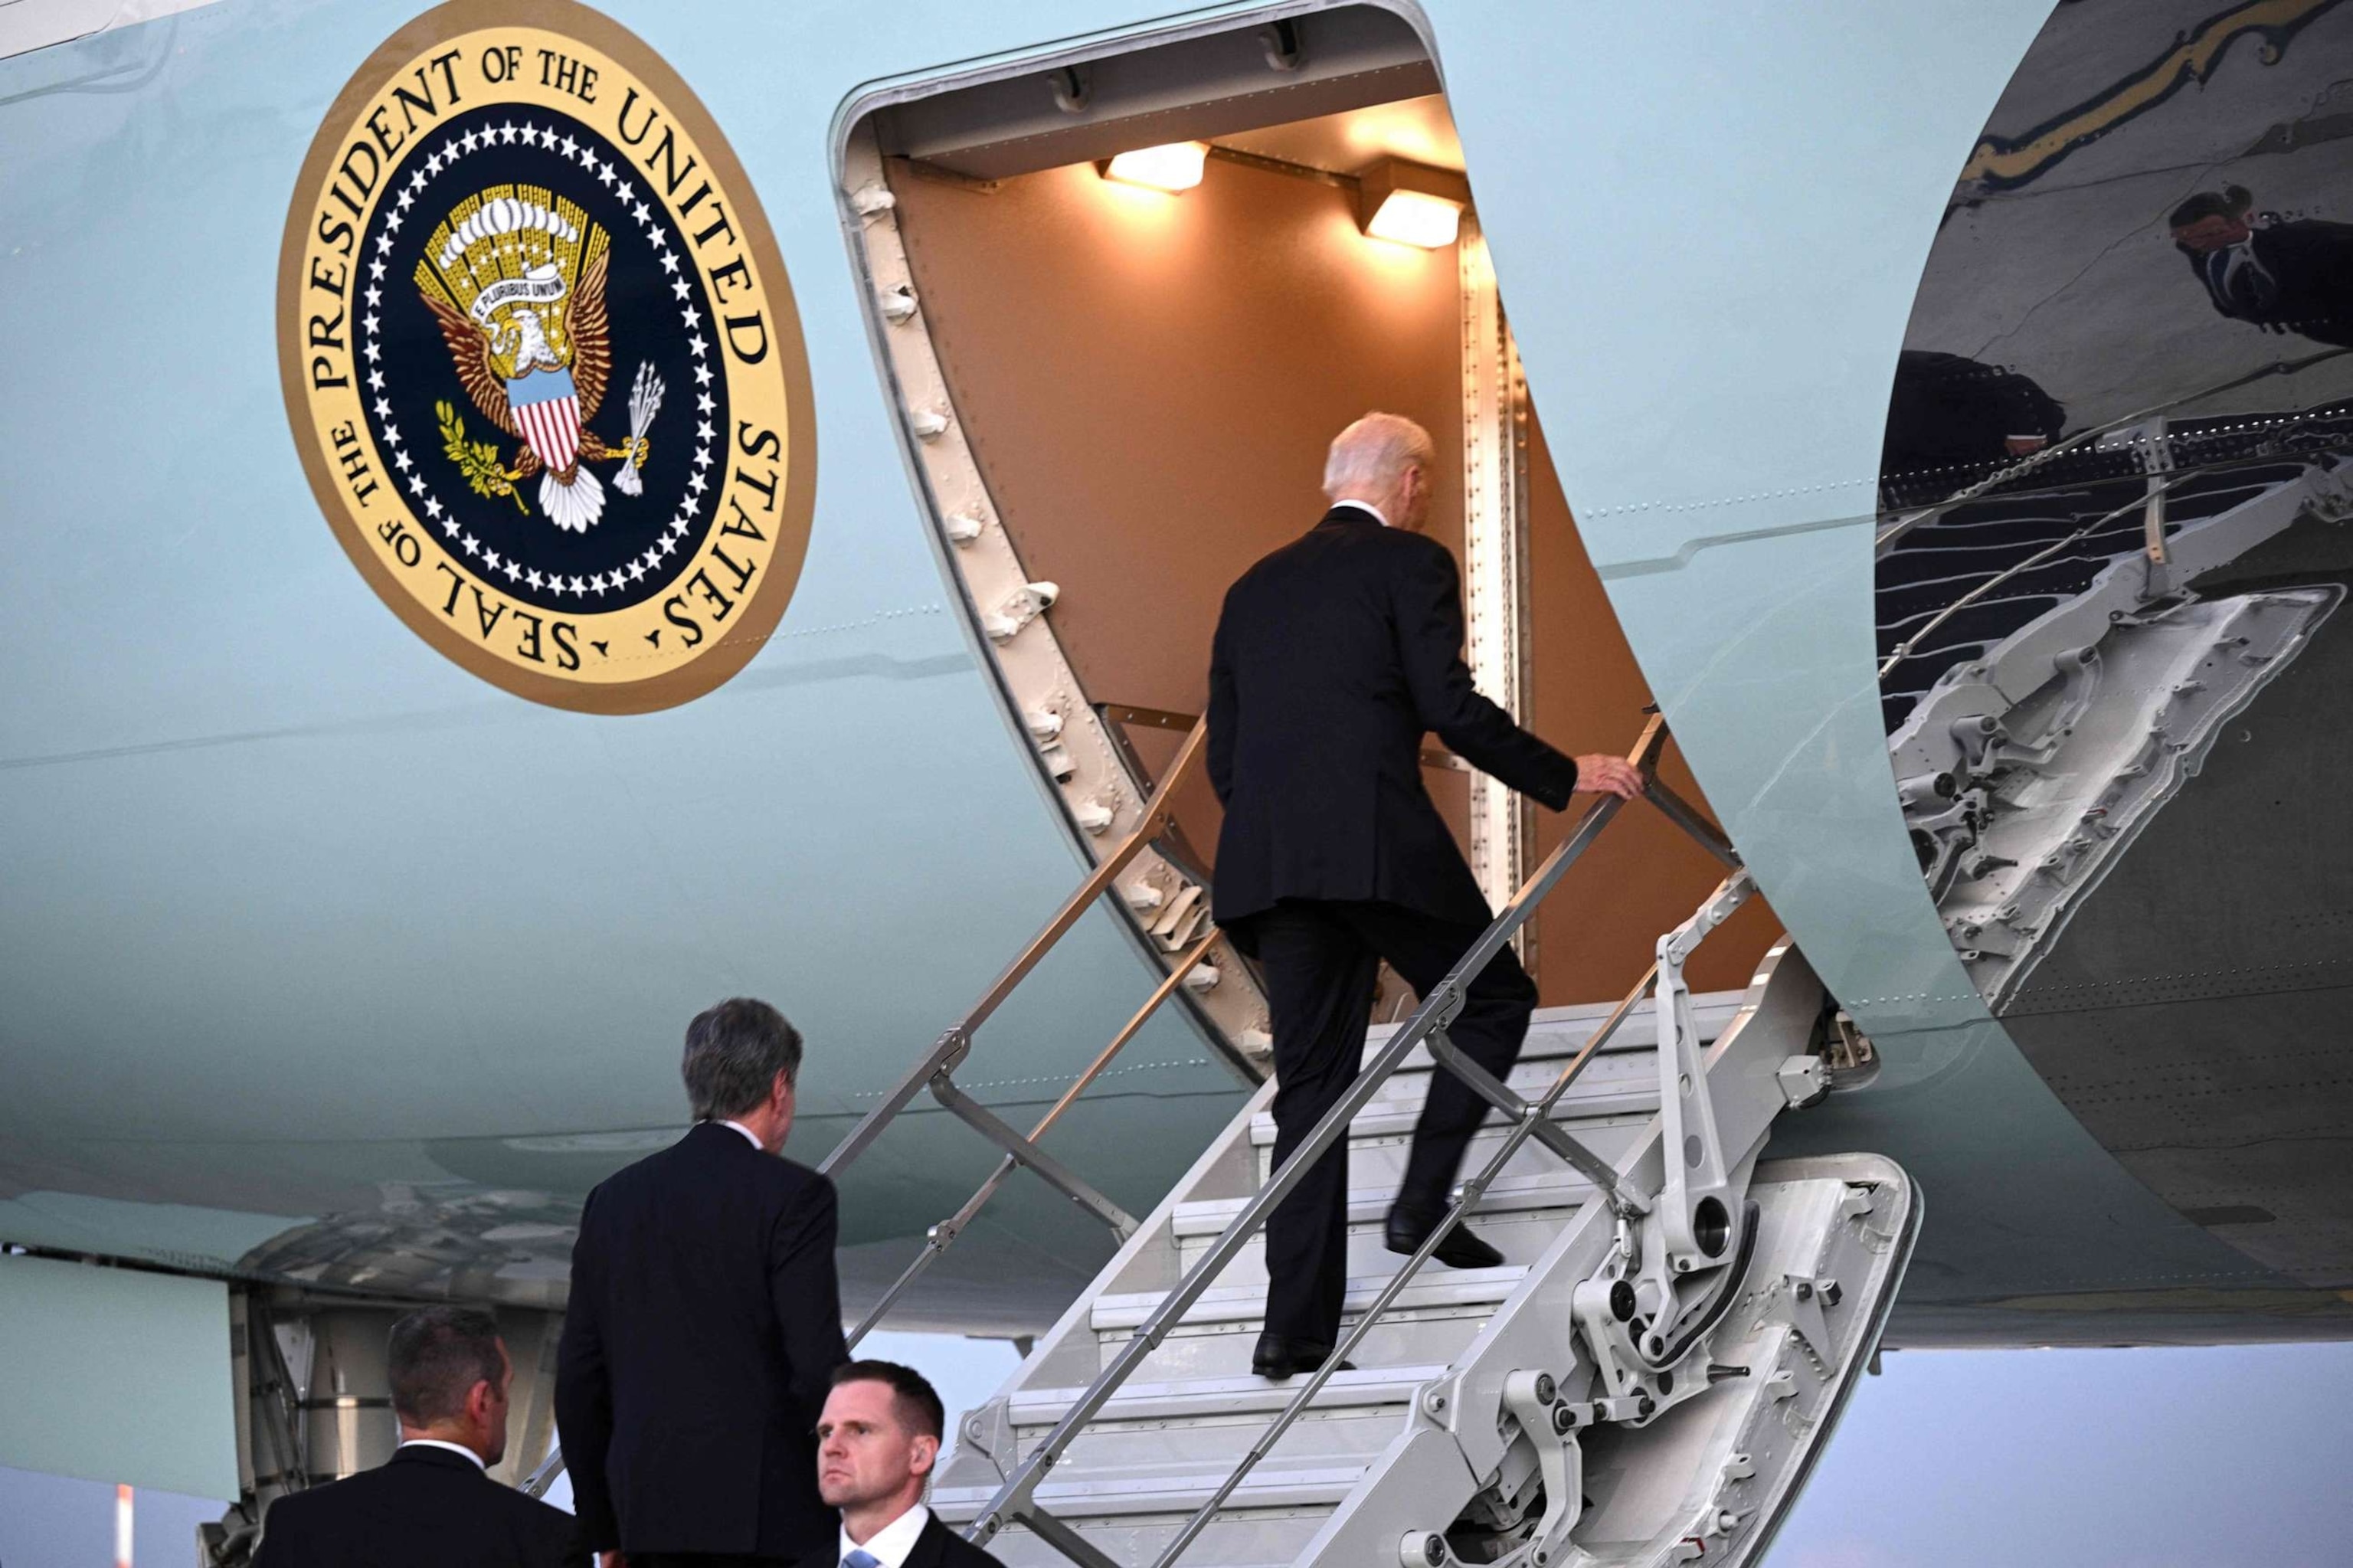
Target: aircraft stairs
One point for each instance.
(1647, 1380)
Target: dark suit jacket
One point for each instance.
(937, 1547)
(1948, 409)
(422, 1506)
(1334, 656)
(704, 1323)
(2305, 284)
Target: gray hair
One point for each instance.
(1372, 453)
(734, 1052)
(434, 1359)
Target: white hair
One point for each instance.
(1372, 453)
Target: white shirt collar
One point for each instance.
(453, 1447)
(1379, 516)
(890, 1544)
(749, 1136)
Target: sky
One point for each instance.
(2232, 1457)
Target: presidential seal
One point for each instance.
(542, 362)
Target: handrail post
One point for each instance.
(1059, 1177)
(950, 1049)
(1689, 817)
(942, 1235)
(1499, 1095)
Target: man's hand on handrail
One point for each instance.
(1604, 774)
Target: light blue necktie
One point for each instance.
(859, 1558)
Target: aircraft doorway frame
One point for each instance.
(1081, 763)
(1495, 562)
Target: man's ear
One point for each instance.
(479, 1402)
(780, 1091)
(926, 1454)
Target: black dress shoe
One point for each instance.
(1407, 1229)
(1277, 1358)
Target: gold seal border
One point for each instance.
(731, 650)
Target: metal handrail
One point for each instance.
(952, 1046)
(942, 1236)
(1465, 1198)
(2033, 461)
(934, 1071)
(1016, 1497)
(1904, 650)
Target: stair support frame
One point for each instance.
(1465, 1200)
(1057, 1175)
(942, 1236)
(1015, 1499)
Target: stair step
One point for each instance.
(1559, 1187)
(1556, 1033)
(1194, 1398)
(1392, 1119)
(1518, 1217)
(1615, 1085)
(1613, 1073)
(1175, 1430)
(1435, 1288)
(1273, 1485)
(1379, 1159)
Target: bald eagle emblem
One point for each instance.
(515, 278)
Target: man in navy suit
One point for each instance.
(431, 1503)
(705, 1323)
(1333, 657)
(877, 1444)
(2281, 274)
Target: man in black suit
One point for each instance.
(704, 1323)
(1333, 657)
(2281, 274)
(877, 1442)
(430, 1505)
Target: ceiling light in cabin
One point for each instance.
(1413, 203)
(1176, 166)
(1412, 218)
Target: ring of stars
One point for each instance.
(613, 178)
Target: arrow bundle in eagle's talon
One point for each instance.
(645, 402)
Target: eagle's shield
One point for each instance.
(547, 411)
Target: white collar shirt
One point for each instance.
(1364, 507)
(749, 1136)
(890, 1544)
(472, 1458)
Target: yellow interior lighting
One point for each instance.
(1412, 204)
(1176, 166)
(1411, 218)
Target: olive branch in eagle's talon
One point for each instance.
(478, 461)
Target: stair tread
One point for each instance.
(1558, 1032)
(1435, 1287)
(1365, 1387)
(1562, 1189)
(1382, 1120)
(1599, 1080)
(1275, 1483)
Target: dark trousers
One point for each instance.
(1321, 959)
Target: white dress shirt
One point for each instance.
(1366, 506)
(889, 1545)
(453, 1447)
(749, 1136)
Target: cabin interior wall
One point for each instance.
(1149, 381)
